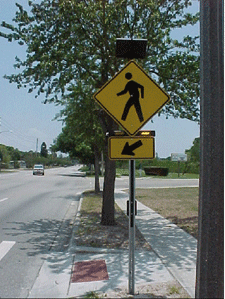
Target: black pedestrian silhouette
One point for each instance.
(132, 87)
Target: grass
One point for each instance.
(141, 173)
(92, 295)
(173, 290)
(91, 233)
(173, 175)
(179, 205)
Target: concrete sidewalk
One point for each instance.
(176, 249)
(172, 259)
(149, 269)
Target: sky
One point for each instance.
(26, 122)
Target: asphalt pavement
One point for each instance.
(33, 215)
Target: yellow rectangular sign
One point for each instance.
(123, 148)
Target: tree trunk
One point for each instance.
(97, 168)
(109, 126)
(108, 193)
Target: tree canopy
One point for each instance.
(72, 42)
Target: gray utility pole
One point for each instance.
(210, 253)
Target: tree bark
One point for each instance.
(108, 211)
(97, 168)
(108, 218)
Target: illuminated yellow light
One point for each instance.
(145, 133)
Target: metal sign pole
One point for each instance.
(131, 226)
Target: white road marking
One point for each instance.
(5, 246)
(1, 200)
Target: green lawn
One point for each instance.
(138, 173)
(179, 205)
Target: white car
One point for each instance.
(38, 169)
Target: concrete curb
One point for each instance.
(76, 223)
(76, 174)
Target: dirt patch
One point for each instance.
(151, 290)
(92, 233)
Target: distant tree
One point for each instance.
(44, 151)
(29, 158)
(15, 154)
(53, 151)
(194, 151)
(67, 142)
(5, 155)
(81, 143)
(82, 134)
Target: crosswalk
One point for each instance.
(5, 246)
(4, 199)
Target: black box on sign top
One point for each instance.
(131, 48)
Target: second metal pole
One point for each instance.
(131, 226)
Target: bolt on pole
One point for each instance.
(131, 226)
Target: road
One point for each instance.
(32, 212)
(36, 213)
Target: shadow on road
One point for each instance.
(41, 235)
(44, 237)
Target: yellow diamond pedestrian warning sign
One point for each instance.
(131, 98)
(122, 148)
